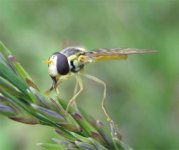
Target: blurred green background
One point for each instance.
(142, 92)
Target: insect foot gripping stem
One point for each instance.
(115, 131)
(108, 119)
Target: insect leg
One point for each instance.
(104, 93)
(72, 100)
(53, 86)
(56, 87)
(76, 88)
(74, 92)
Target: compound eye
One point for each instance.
(62, 64)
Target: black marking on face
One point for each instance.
(62, 64)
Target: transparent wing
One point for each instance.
(69, 43)
(117, 53)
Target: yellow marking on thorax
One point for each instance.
(75, 56)
(72, 57)
(84, 59)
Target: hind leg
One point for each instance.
(104, 93)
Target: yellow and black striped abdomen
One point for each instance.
(114, 54)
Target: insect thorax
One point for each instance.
(75, 65)
(73, 55)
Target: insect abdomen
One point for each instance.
(112, 57)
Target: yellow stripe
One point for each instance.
(115, 57)
(72, 57)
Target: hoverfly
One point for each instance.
(70, 61)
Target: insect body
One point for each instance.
(72, 60)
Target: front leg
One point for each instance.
(53, 86)
(72, 100)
